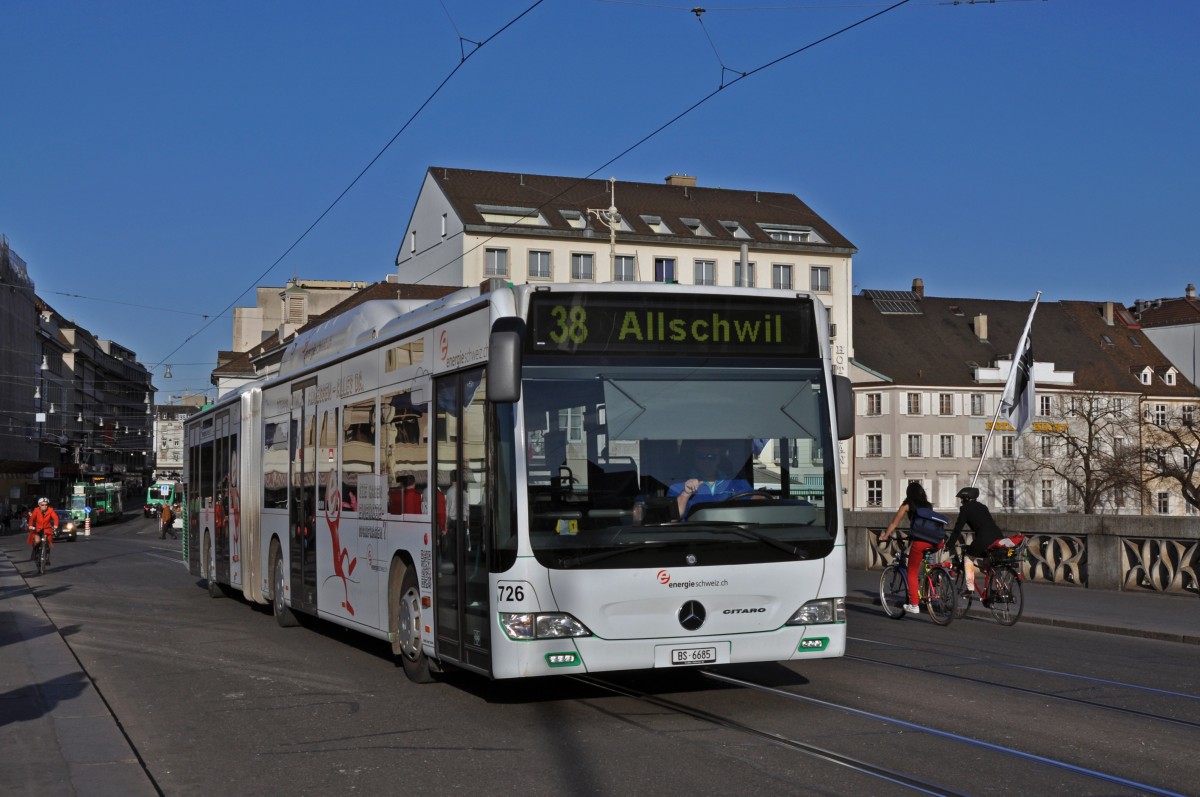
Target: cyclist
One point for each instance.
(978, 518)
(914, 499)
(44, 520)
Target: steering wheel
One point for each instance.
(761, 492)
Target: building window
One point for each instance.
(947, 445)
(706, 272)
(1160, 415)
(945, 404)
(1043, 405)
(781, 276)
(412, 242)
(1047, 446)
(539, 265)
(743, 277)
(819, 278)
(977, 404)
(874, 404)
(583, 267)
(1162, 503)
(624, 269)
(914, 445)
(443, 225)
(1008, 493)
(1008, 446)
(976, 446)
(1047, 493)
(1119, 498)
(1117, 404)
(874, 445)
(495, 263)
(664, 269)
(914, 403)
(874, 492)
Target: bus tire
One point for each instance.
(210, 558)
(407, 628)
(283, 615)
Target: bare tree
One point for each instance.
(1094, 450)
(1172, 447)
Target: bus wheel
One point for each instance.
(283, 615)
(408, 630)
(210, 556)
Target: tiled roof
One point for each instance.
(938, 346)
(469, 189)
(1168, 312)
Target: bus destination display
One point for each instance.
(595, 323)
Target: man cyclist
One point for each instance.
(44, 520)
(979, 519)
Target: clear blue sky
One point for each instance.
(157, 157)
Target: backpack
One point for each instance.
(928, 526)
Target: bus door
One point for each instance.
(302, 498)
(221, 499)
(462, 560)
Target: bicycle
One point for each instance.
(41, 552)
(936, 588)
(1001, 585)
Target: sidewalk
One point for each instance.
(57, 734)
(1153, 615)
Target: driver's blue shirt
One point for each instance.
(710, 492)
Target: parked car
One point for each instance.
(66, 526)
(150, 510)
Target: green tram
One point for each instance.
(103, 498)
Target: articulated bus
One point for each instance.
(502, 481)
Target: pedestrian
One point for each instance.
(166, 521)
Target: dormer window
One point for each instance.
(511, 216)
(697, 227)
(1169, 376)
(574, 219)
(734, 228)
(1146, 376)
(791, 234)
(656, 225)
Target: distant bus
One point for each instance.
(104, 499)
(162, 492)
(499, 480)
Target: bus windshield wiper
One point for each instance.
(586, 559)
(746, 531)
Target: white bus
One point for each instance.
(534, 480)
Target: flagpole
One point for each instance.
(1000, 404)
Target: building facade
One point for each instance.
(928, 379)
(470, 225)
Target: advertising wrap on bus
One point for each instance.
(657, 487)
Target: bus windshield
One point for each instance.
(655, 464)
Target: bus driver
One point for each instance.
(708, 486)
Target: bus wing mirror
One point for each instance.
(504, 360)
(843, 401)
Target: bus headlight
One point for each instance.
(826, 610)
(542, 626)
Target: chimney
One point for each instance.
(1190, 292)
(980, 324)
(681, 180)
(919, 287)
(1108, 313)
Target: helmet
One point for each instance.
(43, 501)
(969, 493)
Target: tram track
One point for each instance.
(1039, 692)
(1033, 758)
(820, 753)
(853, 763)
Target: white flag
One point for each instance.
(1017, 400)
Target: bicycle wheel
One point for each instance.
(893, 591)
(942, 596)
(41, 558)
(1006, 599)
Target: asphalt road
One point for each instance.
(216, 698)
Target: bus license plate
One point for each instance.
(693, 655)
